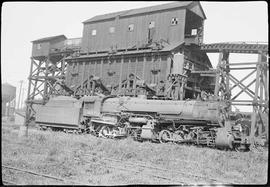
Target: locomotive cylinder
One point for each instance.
(224, 139)
(147, 130)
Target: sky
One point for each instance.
(23, 22)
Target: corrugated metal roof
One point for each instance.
(179, 4)
(50, 38)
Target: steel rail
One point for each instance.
(9, 182)
(154, 175)
(40, 174)
(145, 165)
(163, 169)
(138, 171)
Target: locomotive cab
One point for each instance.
(91, 106)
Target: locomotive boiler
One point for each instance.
(184, 121)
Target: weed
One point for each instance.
(130, 155)
(41, 138)
(54, 153)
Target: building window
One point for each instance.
(151, 25)
(38, 46)
(131, 27)
(112, 29)
(194, 32)
(94, 32)
(174, 21)
(69, 42)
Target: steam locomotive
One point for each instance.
(180, 121)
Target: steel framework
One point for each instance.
(259, 98)
(46, 78)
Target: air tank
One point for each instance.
(8, 95)
(8, 92)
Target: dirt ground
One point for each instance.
(85, 159)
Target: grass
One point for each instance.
(60, 154)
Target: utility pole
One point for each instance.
(23, 129)
(22, 98)
(18, 105)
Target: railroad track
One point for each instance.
(127, 168)
(141, 167)
(33, 173)
(7, 182)
(137, 167)
(166, 176)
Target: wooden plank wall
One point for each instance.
(57, 43)
(119, 68)
(47, 46)
(124, 39)
(43, 51)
